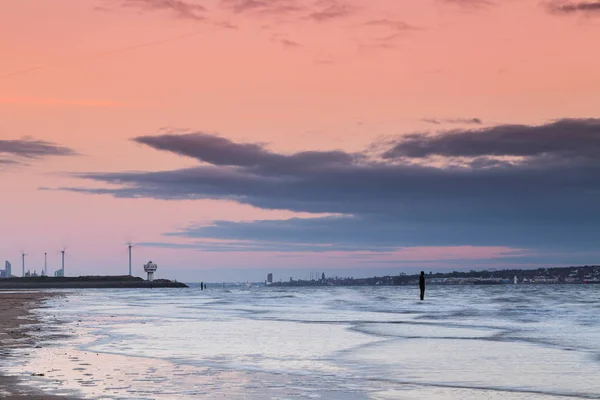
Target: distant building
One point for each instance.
(59, 273)
(269, 279)
(7, 272)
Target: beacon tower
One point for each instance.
(150, 269)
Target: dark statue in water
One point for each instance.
(422, 284)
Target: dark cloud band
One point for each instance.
(549, 195)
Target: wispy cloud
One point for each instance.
(180, 8)
(284, 41)
(395, 25)
(264, 7)
(330, 9)
(464, 121)
(470, 3)
(7, 162)
(59, 102)
(385, 33)
(574, 7)
(17, 152)
(318, 11)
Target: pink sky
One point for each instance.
(92, 74)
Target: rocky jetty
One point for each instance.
(86, 282)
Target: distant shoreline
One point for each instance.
(87, 282)
(574, 275)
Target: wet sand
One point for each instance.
(14, 333)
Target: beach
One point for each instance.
(504, 342)
(15, 333)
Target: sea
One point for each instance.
(462, 342)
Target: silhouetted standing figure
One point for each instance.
(201, 285)
(422, 284)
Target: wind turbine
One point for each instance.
(63, 259)
(23, 254)
(129, 246)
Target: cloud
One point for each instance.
(30, 148)
(289, 43)
(284, 41)
(318, 11)
(573, 7)
(296, 234)
(277, 7)
(369, 233)
(547, 197)
(395, 25)
(16, 153)
(6, 162)
(221, 151)
(180, 8)
(330, 9)
(464, 121)
(262, 243)
(470, 3)
(567, 138)
(384, 33)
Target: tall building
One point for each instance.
(269, 278)
(7, 269)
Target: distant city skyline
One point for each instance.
(226, 140)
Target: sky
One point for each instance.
(226, 139)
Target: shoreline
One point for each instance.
(15, 311)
